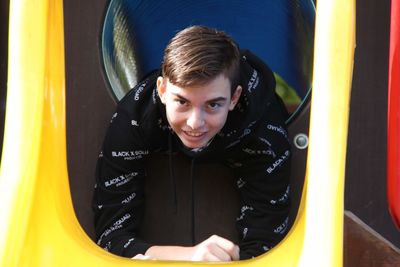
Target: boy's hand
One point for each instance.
(215, 248)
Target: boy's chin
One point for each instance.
(195, 145)
(192, 146)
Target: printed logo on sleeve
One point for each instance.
(246, 131)
(129, 198)
(140, 90)
(245, 231)
(254, 80)
(117, 225)
(243, 212)
(283, 199)
(129, 242)
(123, 219)
(108, 231)
(265, 141)
(278, 129)
(268, 152)
(129, 155)
(120, 180)
(278, 162)
(281, 229)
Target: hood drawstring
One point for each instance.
(192, 204)
(171, 175)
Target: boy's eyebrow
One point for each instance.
(217, 99)
(179, 96)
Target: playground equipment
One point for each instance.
(38, 225)
(393, 144)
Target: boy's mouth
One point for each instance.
(194, 134)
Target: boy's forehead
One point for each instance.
(219, 82)
(202, 93)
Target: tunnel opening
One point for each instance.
(128, 51)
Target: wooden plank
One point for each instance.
(363, 246)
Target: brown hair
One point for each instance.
(198, 54)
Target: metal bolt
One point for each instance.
(301, 141)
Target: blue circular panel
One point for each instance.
(135, 34)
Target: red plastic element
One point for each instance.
(393, 143)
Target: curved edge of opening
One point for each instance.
(101, 53)
(4, 22)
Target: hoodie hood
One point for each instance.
(258, 92)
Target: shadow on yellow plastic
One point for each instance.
(38, 226)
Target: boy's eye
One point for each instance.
(181, 102)
(214, 105)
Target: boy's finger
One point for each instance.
(228, 246)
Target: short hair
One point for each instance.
(198, 54)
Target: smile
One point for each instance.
(194, 134)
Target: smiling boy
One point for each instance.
(209, 101)
(198, 113)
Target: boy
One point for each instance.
(209, 101)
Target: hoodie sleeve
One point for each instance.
(118, 200)
(262, 169)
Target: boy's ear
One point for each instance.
(161, 88)
(235, 97)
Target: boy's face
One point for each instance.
(198, 113)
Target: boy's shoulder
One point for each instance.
(142, 98)
(144, 111)
(142, 104)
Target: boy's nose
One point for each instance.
(195, 120)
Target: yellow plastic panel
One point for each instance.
(333, 69)
(38, 226)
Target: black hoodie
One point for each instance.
(253, 142)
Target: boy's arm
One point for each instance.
(118, 196)
(263, 182)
